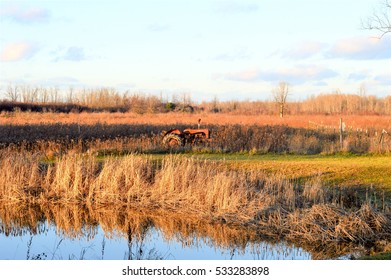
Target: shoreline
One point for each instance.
(272, 205)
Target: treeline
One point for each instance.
(39, 99)
(328, 104)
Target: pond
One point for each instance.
(49, 245)
(74, 232)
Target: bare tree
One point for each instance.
(280, 94)
(71, 95)
(13, 93)
(215, 105)
(186, 99)
(29, 94)
(380, 19)
(53, 93)
(44, 95)
(362, 93)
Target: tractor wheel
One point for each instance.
(172, 140)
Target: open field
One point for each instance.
(55, 134)
(370, 122)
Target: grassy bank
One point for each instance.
(333, 170)
(379, 256)
(308, 214)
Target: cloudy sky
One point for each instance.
(229, 49)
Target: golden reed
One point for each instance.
(274, 206)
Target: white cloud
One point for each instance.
(18, 51)
(358, 76)
(72, 54)
(75, 54)
(248, 75)
(356, 48)
(384, 79)
(361, 48)
(304, 50)
(296, 75)
(24, 15)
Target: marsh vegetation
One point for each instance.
(55, 139)
(114, 165)
(309, 215)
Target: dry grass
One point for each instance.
(277, 207)
(371, 122)
(52, 139)
(55, 133)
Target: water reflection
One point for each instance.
(80, 232)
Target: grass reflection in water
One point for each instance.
(79, 194)
(58, 232)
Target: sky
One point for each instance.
(224, 49)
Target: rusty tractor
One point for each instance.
(176, 138)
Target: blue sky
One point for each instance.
(229, 49)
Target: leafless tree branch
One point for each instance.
(380, 20)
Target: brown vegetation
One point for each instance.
(309, 215)
(273, 206)
(331, 122)
(57, 139)
(76, 221)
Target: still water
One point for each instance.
(50, 245)
(62, 233)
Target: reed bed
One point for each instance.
(274, 206)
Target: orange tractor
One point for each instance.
(175, 138)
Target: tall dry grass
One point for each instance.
(59, 139)
(364, 122)
(277, 207)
